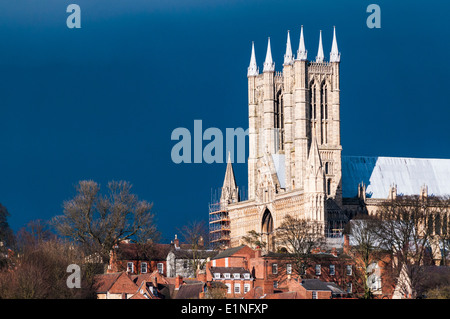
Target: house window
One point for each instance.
(274, 269)
(130, 267)
(226, 276)
(303, 270)
(228, 288)
(160, 267)
(216, 275)
(246, 276)
(246, 288)
(314, 294)
(237, 288)
(289, 269)
(143, 268)
(349, 270)
(332, 270)
(236, 276)
(318, 270)
(349, 287)
(275, 284)
(185, 264)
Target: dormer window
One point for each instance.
(246, 276)
(237, 276)
(216, 275)
(226, 276)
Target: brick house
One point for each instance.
(247, 273)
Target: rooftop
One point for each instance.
(379, 174)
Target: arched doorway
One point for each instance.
(267, 230)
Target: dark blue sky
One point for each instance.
(101, 102)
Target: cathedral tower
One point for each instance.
(287, 110)
(294, 163)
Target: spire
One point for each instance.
(229, 188)
(288, 59)
(314, 174)
(314, 155)
(335, 56)
(269, 65)
(302, 53)
(253, 68)
(319, 57)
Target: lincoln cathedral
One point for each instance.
(295, 166)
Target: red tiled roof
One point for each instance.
(105, 281)
(283, 295)
(123, 284)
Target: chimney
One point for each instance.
(178, 282)
(201, 276)
(176, 242)
(258, 252)
(201, 242)
(346, 244)
(334, 252)
(268, 287)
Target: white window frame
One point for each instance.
(144, 268)
(349, 287)
(237, 288)
(160, 267)
(318, 269)
(349, 270)
(216, 275)
(246, 288)
(289, 269)
(228, 288)
(274, 269)
(246, 276)
(130, 269)
(332, 270)
(314, 294)
(226, 275)
(237, 276)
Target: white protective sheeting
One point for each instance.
(408, 174)
(279, 163)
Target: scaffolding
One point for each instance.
(219, 225)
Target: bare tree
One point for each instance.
(365, 250)
(40, 269)
(403, 231)
(195, 234)
(100, 222)
(299, 237)
(253, 239)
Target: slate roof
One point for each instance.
(132, 251)
(189, 253)
(380, 173)
(228, 252)
(189, 291)
(319, 285)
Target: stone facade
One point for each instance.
(294, 164)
